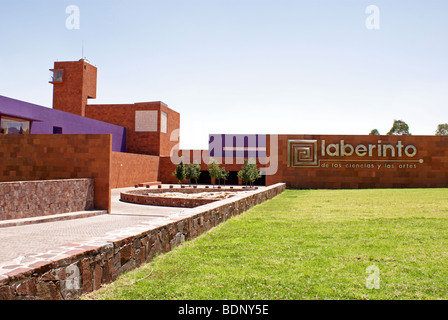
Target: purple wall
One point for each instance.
(44, 119)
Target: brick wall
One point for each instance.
(128, 169)
(78, 84)
(166, 145)
(151, 143)
(427, 168)
(48, 157)
(43, 198)
(166, 170)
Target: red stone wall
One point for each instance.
(62, 156)
(150, 143)
(344, 171)
(166, 145)
(366, 171)
(43, 198)
(166, 169)
(78, 84)
(128, 169)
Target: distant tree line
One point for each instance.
(402, 128)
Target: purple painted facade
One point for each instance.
(49, 121)
(237, 145)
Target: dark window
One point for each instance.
(57, 130)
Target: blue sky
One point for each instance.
(243, 66)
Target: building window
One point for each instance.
(146, 121)
(11, 125)
(57, 130)
(56, 75)
(164, 122)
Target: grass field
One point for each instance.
(309, 244)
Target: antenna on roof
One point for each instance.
(83, 58)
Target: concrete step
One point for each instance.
(54, 217)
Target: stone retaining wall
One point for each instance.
(141, 196)
(27, 199)
(164, 201)
(71, 270)
(194, 189)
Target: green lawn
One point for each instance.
(309, 244)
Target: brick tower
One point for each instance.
(73, 83)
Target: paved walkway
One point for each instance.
(19, 241)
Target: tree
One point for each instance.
(374, 132)
(196, 172)
(193, 171)
(442, 129)
(224, 174)
(180, 172)
(399, 128)
(243, 174)
(249, 172)
(188, 172)
(214, 170)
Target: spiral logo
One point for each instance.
(302, 153)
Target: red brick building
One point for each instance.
(148, 125)
(302, 161)
(149, 150)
